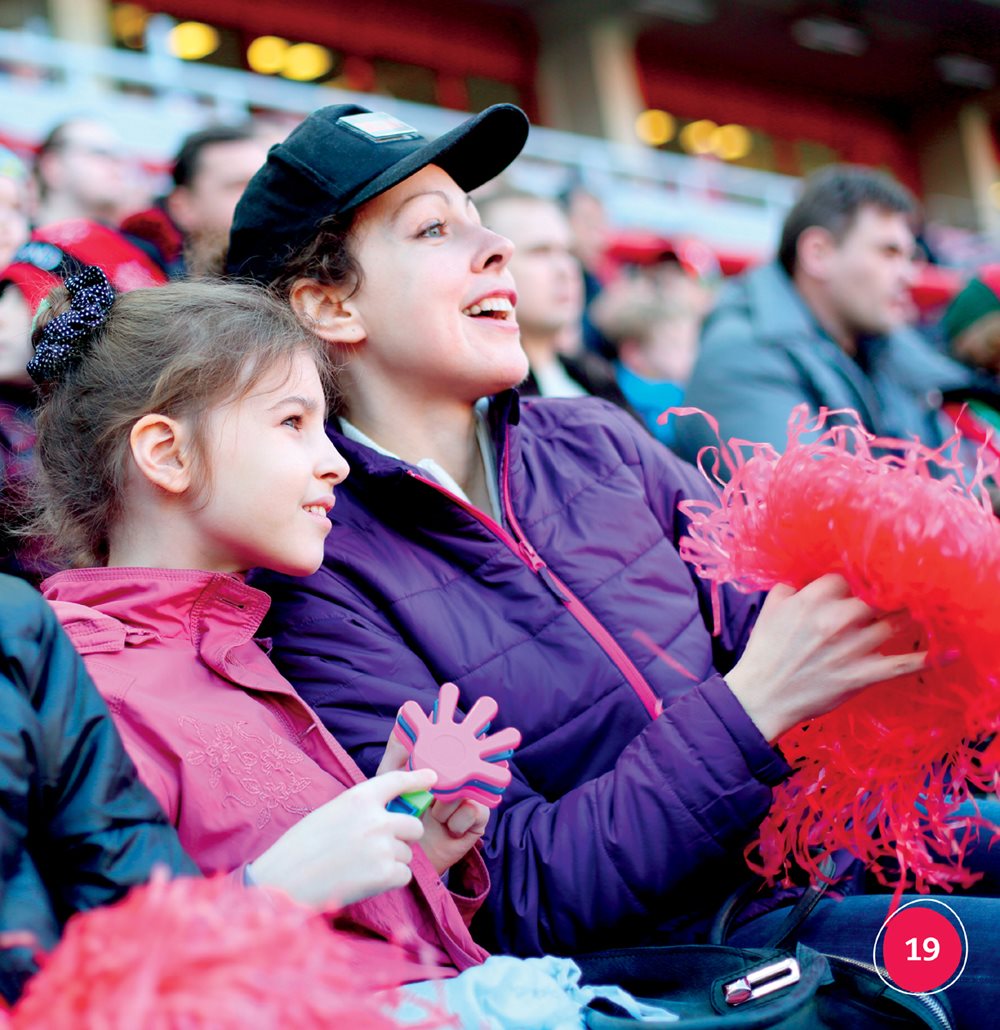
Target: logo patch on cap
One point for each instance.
(378, 127)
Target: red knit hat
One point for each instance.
(55, 252)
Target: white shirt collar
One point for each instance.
(439, 474)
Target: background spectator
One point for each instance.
(591, 230)
(824, 325)
(14, 225)
(50, 256)
(971, 324)
(655, 336)
(17, 432)
(187, 231)
(971, 329)
(82, 172)
(549, 298)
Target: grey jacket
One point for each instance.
(762, 353)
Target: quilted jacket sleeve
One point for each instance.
(667, 482)
(99, 829)
(566, 873)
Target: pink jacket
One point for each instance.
(233, 754)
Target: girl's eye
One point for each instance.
(294, 421)
(433, 231)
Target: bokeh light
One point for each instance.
(128, 23)
(307, 61)
(698, 137)
(266, 54)
(655, 127)
(731, 142)
(192, 40)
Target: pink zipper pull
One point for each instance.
(530, 555)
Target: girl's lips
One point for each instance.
(321, 507)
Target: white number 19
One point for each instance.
(931, 947)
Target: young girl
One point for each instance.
(181, 443)
(529, 552)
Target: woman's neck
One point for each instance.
(443, 431)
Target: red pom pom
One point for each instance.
(909, 529)
(192, 954)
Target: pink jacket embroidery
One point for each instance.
(231, 764)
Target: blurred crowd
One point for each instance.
(626, 316)
(690, 358)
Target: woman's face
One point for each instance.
(15, 336)
(436, 302)
(14, 229)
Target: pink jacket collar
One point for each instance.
(213, 611)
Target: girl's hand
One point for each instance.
(452, 829)
(350, 848)
(396, 756)
(812, 649)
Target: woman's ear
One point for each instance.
(160, 451)
(328, 311)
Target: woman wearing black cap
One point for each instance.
(525, 551)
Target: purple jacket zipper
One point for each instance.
(520, 545)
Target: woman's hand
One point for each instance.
(451, 830)
(812, 649)
(350, 848)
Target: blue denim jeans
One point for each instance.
(849, 926)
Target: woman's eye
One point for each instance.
(434, 231)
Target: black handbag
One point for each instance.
(717, 986)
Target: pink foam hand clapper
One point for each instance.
(470, 762)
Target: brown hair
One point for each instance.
(327, 258)
(833, 197)
(177, 350)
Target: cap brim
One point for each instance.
(472, 153)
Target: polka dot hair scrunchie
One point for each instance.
(67, 337)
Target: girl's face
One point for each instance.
(436, 303)
(272, 473)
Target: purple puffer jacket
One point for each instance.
(578, 616)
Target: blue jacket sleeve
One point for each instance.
(92, 829)
(689, 788)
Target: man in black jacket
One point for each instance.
(77, 828)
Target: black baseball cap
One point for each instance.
(342, 156)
